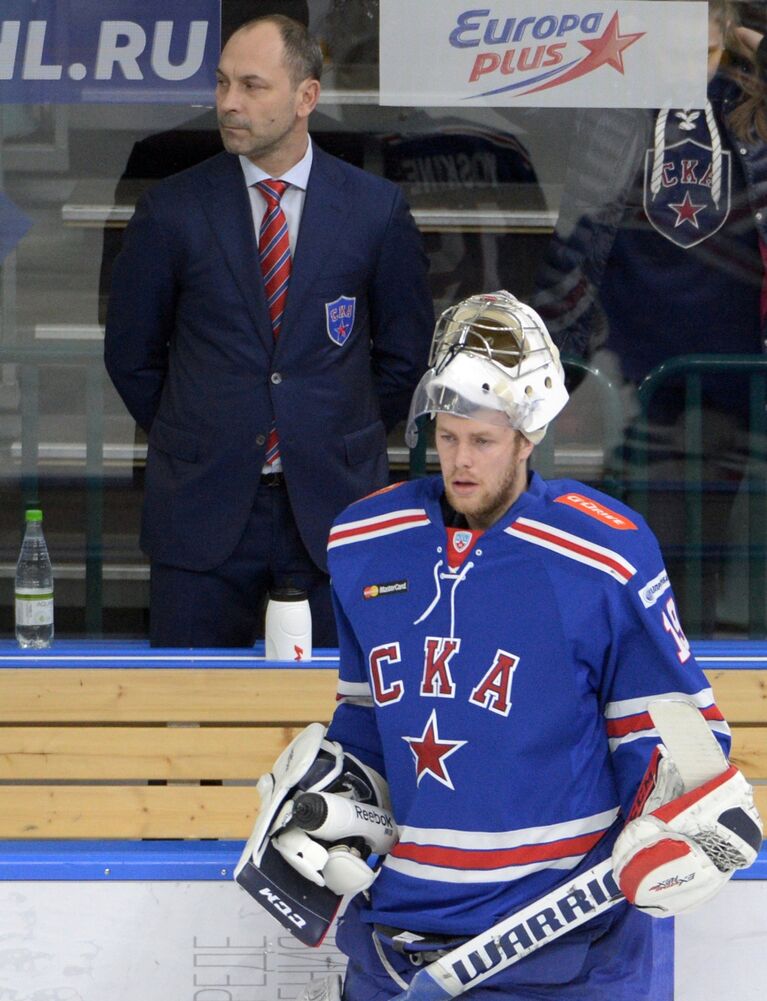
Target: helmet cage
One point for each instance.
(507, 343)
(492, 351)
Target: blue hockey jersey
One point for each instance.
(504, 699)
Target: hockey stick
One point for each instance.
(698, 758)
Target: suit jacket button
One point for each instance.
(260, 439)
(276, 378)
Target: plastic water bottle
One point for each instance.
(288, 625)
(34, 587)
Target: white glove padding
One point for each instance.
(328, 989)
(339, 868)
(332, 851)
(661, 783)
(681, 854)
(274, 787)
(311, 763)
(308, 758)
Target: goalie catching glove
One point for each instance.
(677, 855)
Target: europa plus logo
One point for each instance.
(524, 55)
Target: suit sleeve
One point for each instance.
(402, 314)
(139, 321)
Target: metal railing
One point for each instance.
(689, 371)
(87, 357)
(551, 456)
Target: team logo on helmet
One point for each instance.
(339, 318)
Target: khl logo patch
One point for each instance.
(462, 541)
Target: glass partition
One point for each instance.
(638, 235)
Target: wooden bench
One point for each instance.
(146, 753)
(742, 696)
(156, 752)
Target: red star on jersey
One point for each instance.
(686, 211)
(429, 752)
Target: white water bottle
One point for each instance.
(288, 625)
(34, 587)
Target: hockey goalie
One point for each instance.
(526, 766)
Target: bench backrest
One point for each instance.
(144, 752)
(176, 752)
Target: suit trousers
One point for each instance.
(224, 607)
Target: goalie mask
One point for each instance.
(491, 359)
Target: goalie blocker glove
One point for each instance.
(338, 860)
(677, 856)
(298, 877)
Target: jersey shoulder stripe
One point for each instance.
(379, 525)
(573, 547)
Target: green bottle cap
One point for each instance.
(34, 515)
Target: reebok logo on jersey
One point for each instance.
(379, 590)
(654, 589)
(598, 511)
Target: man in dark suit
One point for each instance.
(206, 368)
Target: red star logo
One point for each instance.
(609, 48)
(429, 752)
(686, 211)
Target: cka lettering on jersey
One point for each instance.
(436, 680)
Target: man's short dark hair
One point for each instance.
(303, 55)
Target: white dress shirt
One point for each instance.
(292, 201)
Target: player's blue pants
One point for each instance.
(622, 955)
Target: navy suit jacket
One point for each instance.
(189, 347)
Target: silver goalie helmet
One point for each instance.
(491, 359)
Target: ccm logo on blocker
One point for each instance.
(280, 905)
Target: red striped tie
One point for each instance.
(274, 254)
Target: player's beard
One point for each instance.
(491, 502)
